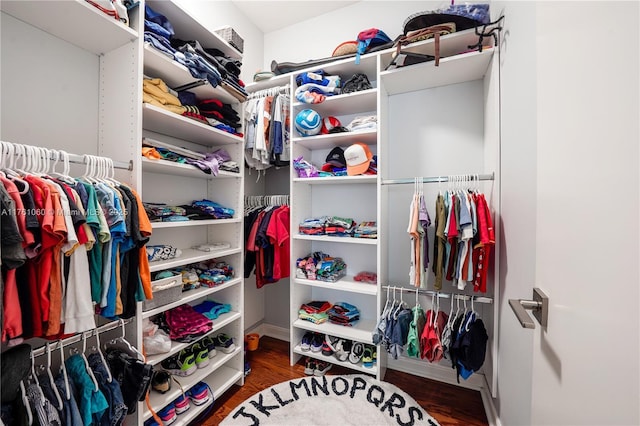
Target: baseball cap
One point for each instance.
(358, 157)
(336, 157)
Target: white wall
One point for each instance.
(316, 38)
(518, 169)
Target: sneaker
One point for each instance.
(327, 347)
(168, 414)
(183, 364)
(343, 348)
(357, 351)
(247, 368)
(199, 394)
(201, 354)
(316, 342)
(224, 343)
(210, 344)
(182, 404)
(309, 366)
(367, 357)
(305, 345)
(321, 368)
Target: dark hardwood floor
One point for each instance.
(450, 405)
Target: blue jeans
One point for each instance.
(117, 411)
(70, 413)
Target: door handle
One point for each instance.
(539, 307)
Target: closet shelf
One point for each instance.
(157, 64)
(74, 21)
(161, 225)
(191, 256)
(452, 70)
(275, 81)
(223, 373)
(333, 360)
(331, 140)
(347, 284)
(362, 331)
(190, 296)
(160, 120)
(349, 103)
(330, 180)
(186, 170)
(329, 239)
(176, 347)
(184, 419)
(188, 27)
(223, 380)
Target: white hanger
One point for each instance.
(63, 371)
(99, 351)
(386, 303)
(25, 401)
(51, 380)
(35, 378)
(122, 343)
(86, 361)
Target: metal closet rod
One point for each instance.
(479, 299)
(78, 337)
(436, 179)
(80, 159)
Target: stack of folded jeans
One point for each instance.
(343, 313)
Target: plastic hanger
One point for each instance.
(63, 371)
(51, 379)
(86, 361)
(122, 344)
(99, 352)
(34, 377)
(25, 401)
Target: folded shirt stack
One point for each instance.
(343, 313)
(212, 309)
(320, 266)
(338, 226)
(160, 212)
(314, 311)
(366, 230)
(220, 113)
(213, 209)
(186, 324)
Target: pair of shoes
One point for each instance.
(168, 414)
(200, 393)
(223, 342)
(312, 341)
(182, 364)
(182, 404)
(321, 368)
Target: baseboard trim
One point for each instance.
(271, 330)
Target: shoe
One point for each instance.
(247, 368)
(321, 368)
(183, 364)
(210, 344)
(316, 342)
(343, 348)
(305, 345)
(375, 355)
(309, 366)
(199, 394)
(161, 381)
(327, 347)
(367, 357)
(182, 404)
(168, 414)
(357, 351)
(201, 354)
(224, 343)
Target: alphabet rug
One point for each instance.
(330, 400)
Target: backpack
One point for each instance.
(370, 38)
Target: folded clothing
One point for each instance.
(316, 306)
(343, 313)
(213, 209)
(184, 322)
(159, 252)
(212, 309)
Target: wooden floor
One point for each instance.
(450, 405)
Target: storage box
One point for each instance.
(165, 291)
(231, 37)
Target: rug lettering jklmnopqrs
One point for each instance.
(330, 400)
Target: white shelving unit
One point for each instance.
(180, 184)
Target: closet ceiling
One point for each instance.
(273, 15)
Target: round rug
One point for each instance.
(330, 400)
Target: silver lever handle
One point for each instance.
(539, 307)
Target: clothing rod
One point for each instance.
(78, 337)
(436, 179)
(479, 299)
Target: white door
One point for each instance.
(585, 365)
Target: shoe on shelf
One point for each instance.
(357, 350)
(316, 342)
(182, 404)
(375, 354)
(309, 366)
(343, 348)
(321, 368)
(168, 414)
(199, 393)
(201, 354)
(210, 344)
(305, 345)
(224, 343)
(367, 357)
(183, 364)
(327, 347)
